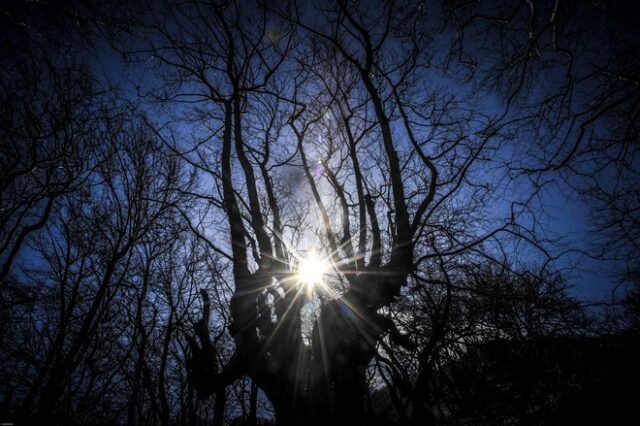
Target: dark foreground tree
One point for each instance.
(337, 192)
(355, 103)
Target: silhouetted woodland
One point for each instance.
(168, 167)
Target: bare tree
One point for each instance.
(324, 206)
(568, 75)
(349, 90)
(48, 112)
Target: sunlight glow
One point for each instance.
(311, 269)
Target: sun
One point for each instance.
(311, 269)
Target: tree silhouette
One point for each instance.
(332, 208)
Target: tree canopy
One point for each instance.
(311, 212)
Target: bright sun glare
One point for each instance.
(311, 269)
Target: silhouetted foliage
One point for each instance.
(553, 380)
(169, 169)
